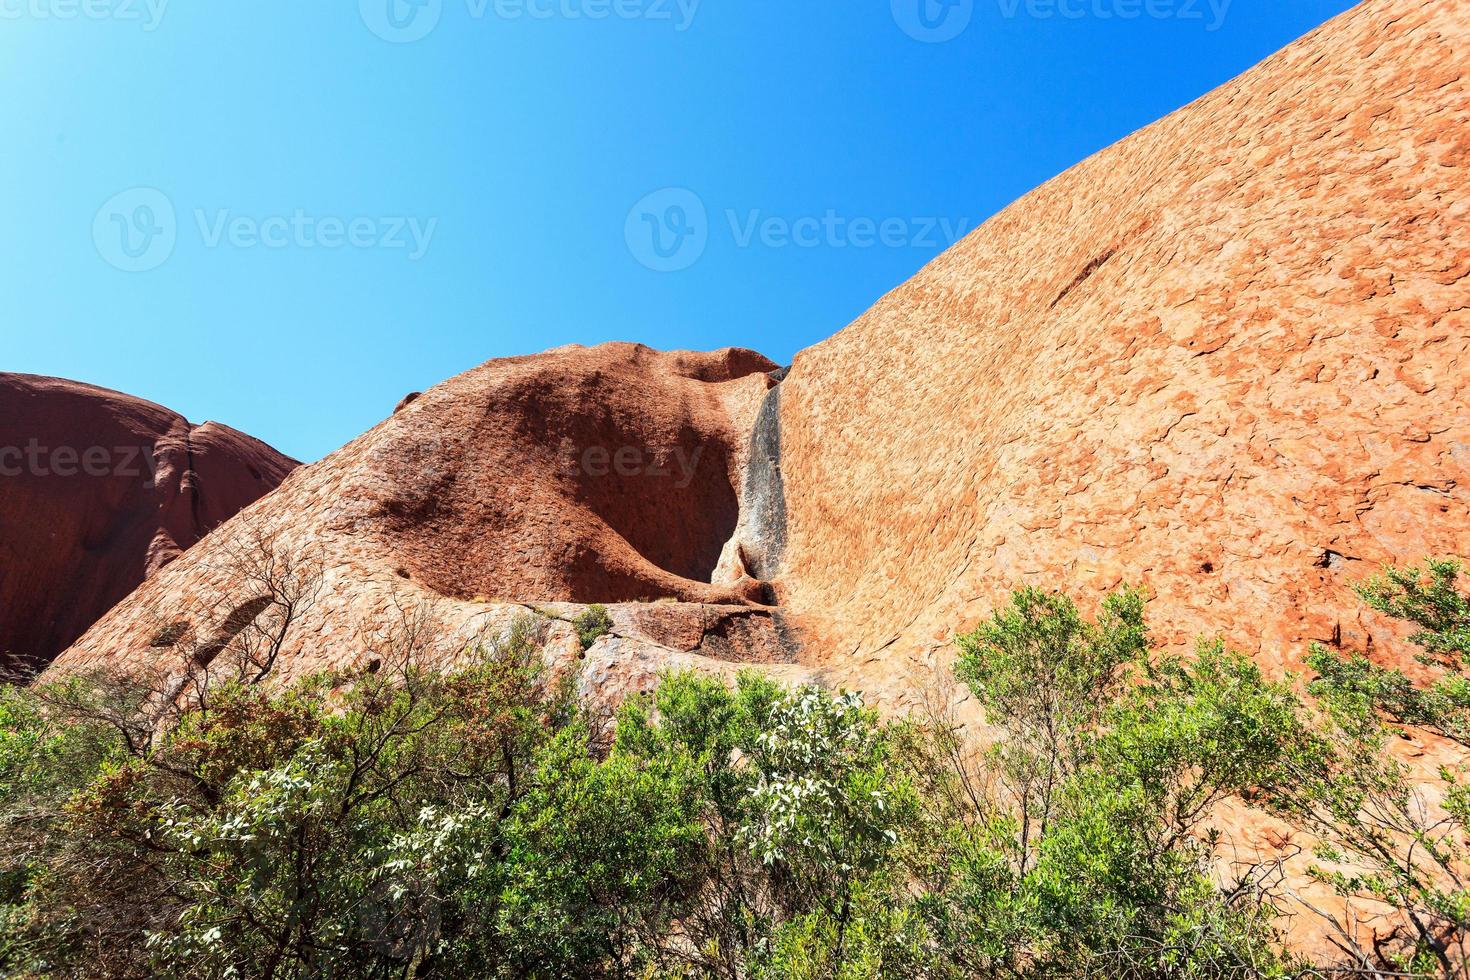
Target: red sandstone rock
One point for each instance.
(601, 475)
(1227, 359)
(609, 474)
(98, 491)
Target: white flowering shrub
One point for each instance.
(478, 823)
(825, 798)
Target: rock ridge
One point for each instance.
(100, 491)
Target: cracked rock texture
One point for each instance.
(98, 491)
(1225, 359)
(581, 475)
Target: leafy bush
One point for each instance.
(1383, 837)
(591, 625)
(396, 821)
(1085, 851)
(400, 821)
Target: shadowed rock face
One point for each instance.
(610, 474)
(762, 540)
(98, 491)
(580, 475)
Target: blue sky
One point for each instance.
(287, 214)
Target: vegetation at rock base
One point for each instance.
(1386, 839)
(403, 822)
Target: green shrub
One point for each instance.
(1084, 851)
(1383, 836)
(592, 624)
(477, 823)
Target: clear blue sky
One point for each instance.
(818, 150)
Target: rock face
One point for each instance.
(1227, 359)
(99, 491)
(582, 475)
(603, 475)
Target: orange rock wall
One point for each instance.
(1225, 359)
(479, 497)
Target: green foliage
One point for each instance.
(1383, 838)
(804, 800)
(880, 936)
(478, 823)
(1191, 733)
(470, 823)
(1039, 669)
(592, 624)
(600, 857)
(1356, 690)
(325, 828)
(1086, 850)
(827, 804)
(42, 764)
(1430, 599)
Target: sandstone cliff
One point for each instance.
(1227, 359)
(583, 475)
(98, 491)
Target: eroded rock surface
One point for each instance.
(98, 491)
(529, 485)
(1227, 359)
